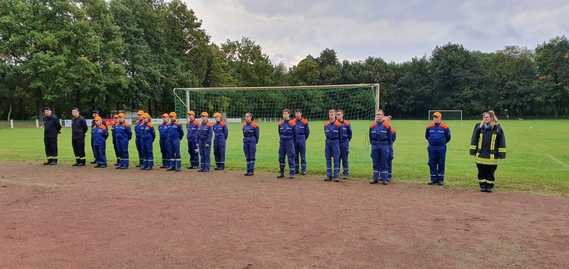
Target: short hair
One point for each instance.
(286, 110)
(340, 111)
(298, 111)
(75, 109)
(46, 109)
(380, 110)
(332, 111)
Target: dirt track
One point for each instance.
(61, 217)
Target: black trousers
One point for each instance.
(486, 175)
(50, 144)
(78, 147)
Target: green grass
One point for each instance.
(538, 152)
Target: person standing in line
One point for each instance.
(250, 141)
(78, 130)
(488, 145)
(51, 129)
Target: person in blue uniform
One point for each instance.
(221, 133)
(381, 139)
(345, 138)
(175, 134)
(148, 137)
(301, 133)
(138, 137)
(94, 114)
(488, 145)
(100, 134)
(286, 144)
(437, 135)
(51, 129)
(123, 134)
(193, 147)
(112, 126)
(332, 146)
(78, 130)
(205, 134)
(250, 141)
(163, 131)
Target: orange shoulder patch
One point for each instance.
(304, 121)
(292, 122)
(386, 124)
(444, 125)
(222, 123)
(373, 125)
(346, 122)
(431, 125)
(254, 124)
(338, 124)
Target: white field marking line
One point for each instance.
(560, 162)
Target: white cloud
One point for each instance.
(394, 30)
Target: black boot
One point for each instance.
(77, 162)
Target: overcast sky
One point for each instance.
(288, 30)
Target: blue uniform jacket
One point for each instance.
(205, 133)
(175, 131)
(332, 130)
(250, 133)
(148, 133)
(438, 134)
(193, 131)
(220, 130)
(381, 134)
(287, 130)
(122, 132)
(163, 130)
(302, 130)
(345, 131)
(100, 135)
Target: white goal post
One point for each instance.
(185, 98)
(444, 111)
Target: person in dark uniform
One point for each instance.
(250, 141)
(286, 144)
(114, 125)
(175, 134)
(163, 131)
(138, 137)
(123, 135)
(148, 136)
(488, 145)
(301, 133)
(51, 129)
(78, 130)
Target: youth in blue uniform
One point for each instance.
(205, 134)
(114, 137)
(163, 134)
(94, 115)
(301, 133)
(175, 134)
(138, 137)
(345, 138)
(381, 140)
(100, 134)
(221, 133)
(148, 136)
(286, 144)
(123, 134)
(438, 135)
(332, 150)
(250, 140)
(392, 155)
(193, 147)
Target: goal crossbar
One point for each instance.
(186, 100)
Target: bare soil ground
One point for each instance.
(64, 217)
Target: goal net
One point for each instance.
(448, 114)
(358, 101)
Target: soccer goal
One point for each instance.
(448, 114)
(358, 101)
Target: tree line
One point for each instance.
(129, 54)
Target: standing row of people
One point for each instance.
(487, 143)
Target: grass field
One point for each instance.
(538, 152)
